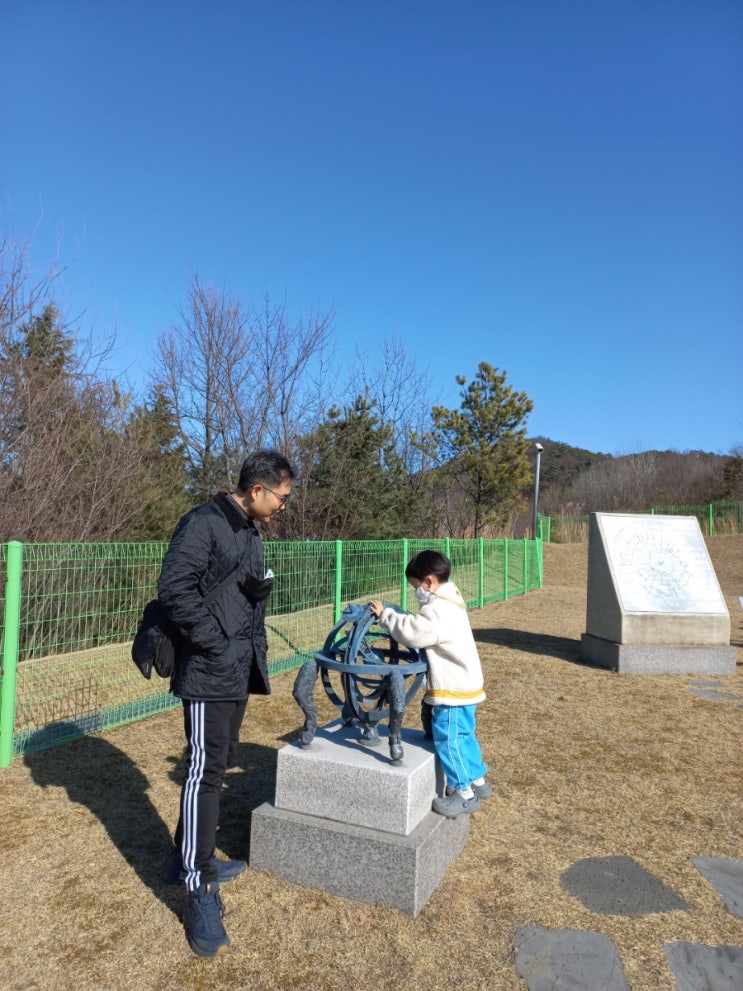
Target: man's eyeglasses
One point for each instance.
(282, 497)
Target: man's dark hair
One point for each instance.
(264, 468)
(429, 563)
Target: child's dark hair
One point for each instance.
(429, 563)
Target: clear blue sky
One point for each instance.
(552, 186)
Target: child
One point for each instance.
(454, 684)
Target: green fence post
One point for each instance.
(11, 640)
(403, 579)
(506, 542)
(525, 575)
(338, 581)
(480, 572)
(711, 527)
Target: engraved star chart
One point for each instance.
(661, 565)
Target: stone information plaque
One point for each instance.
(654, 604)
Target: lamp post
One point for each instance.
(538, 448)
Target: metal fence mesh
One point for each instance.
(715, 519)
(80, 605)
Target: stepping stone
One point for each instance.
(567, 960)
(726, 877)
(705, 693)
(618, 886)
(705, 968)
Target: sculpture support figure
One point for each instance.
(304, 687)
(372, 679)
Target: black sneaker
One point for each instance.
(202, 920)
(227, 870)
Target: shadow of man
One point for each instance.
(98, 775)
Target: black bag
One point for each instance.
(155, 640)
(154, 643)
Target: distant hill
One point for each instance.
(561, 464)
(652, 477)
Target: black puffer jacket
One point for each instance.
(222, 652)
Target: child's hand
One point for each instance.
(376, 607)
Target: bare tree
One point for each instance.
(400, 390)
(204, 366)
(239, 378)
(640, 480)
(70, 470)
(77, 460)
(21, 292)
(401, 393)
(733, 474)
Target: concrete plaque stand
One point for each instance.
(347, 822)
(654, 603)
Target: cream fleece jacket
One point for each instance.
(443, 629)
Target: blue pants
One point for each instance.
(456, 744)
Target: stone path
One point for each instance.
(576, 960)
(707, 689)
(618, 886)
(568, 960)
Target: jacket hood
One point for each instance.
(450, 593)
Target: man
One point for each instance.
(213, 586)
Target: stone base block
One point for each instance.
(354, 861)
(658, 659)
(339, 778)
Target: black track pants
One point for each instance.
(212, 734)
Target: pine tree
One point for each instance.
(352, 477)
(482, 446)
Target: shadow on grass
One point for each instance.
(563, 648)
(99, 776)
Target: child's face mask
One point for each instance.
(422, 595)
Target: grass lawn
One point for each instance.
(585, 763)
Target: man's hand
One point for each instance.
(376, 607)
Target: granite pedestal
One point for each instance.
(632, 658)
(348, 822)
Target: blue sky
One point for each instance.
(552, 186)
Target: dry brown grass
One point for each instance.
(586, 763)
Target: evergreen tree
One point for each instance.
(76, 461)
(352, 479)
(163, 491)
(43, 350)
(482, 447)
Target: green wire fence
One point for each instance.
(715, 519)
(70, 612)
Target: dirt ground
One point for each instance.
(585, 762)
